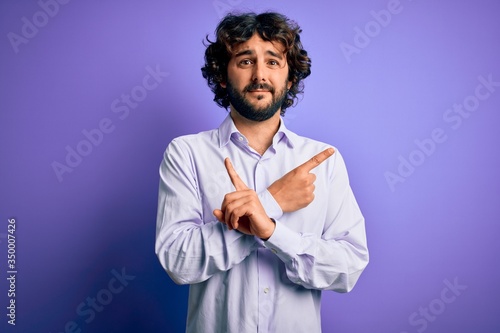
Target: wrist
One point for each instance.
(268, 234)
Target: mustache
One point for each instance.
(262, 86)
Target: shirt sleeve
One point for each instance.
(191, 247)
(335, 260)
(270, 205)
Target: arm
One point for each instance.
(242, 209)
(336, 259)
(191, 247)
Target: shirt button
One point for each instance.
(240, 138)
(274, 250)
(266, 290)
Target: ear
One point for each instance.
(223, 85)
(289, 85)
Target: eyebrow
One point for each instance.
(251, 52)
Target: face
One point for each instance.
(257, 79)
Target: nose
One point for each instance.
(259, 72)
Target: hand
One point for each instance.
(242, 210)
(295, 189)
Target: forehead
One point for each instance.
(256, 44)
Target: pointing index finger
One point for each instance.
(235, 178)
(316, 160)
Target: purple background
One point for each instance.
(440, 224)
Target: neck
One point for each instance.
(258, 133)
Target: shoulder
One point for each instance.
(194, 141)
(184, 150)
(196, 138)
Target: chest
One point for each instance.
(258, 174)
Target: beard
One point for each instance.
(243, 106)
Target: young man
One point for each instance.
(257, 219)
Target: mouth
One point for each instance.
(259, 88)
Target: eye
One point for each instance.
(245, 62)
(273, 63)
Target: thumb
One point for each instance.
(219, 214)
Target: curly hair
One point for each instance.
(238, 28)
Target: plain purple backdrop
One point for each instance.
(386, 75)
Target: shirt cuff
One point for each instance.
(270, 205)
(284, 242)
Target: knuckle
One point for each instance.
(311, 177)
(309, 197)
(229, 208)
(316, 159)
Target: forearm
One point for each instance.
(192, 253)
(270, 205)
(190, 244)
(321, 263)
(334, 256)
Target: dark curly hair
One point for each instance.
(238, 28)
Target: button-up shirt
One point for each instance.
(240, 283)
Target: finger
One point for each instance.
(241, 211)
(316, 160)
(219, 215)
(235, 178)
(233, 210)
(233, 196)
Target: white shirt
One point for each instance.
(240, 283)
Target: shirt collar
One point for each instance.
(227, 128)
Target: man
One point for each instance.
(257, 219)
